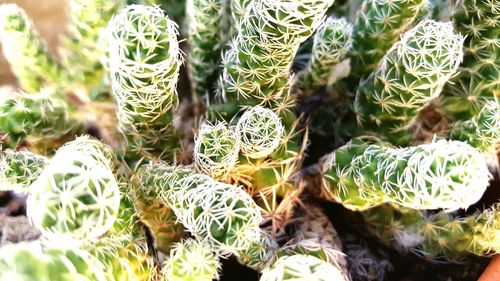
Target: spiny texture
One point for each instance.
(260, 254)
(301, 267)
(77, 195)
(257, 67)
(222, 215)
(39, 116)
(378, 25)
(191, 261)
(19, 169)
(205, 19)
(482, 131)
(85, 48)
(144, 65)
(438, 237)
(31, 62)
(260, 132)
(216, 149)
(26, 261)
(332, 41)
(411, 74)
(124, 258)
(443, 174)
(478, 81)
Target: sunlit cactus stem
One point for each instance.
(205, 40)
(76, 195)
(297, 267)
(19, 169)
(27, 54)
(222, 215)
(411, 74)
(257, 67)
(443, 174)
(144, 65)
(332, 41)
(37, 117)
(85, 48)
(378, 25)
(191, 260)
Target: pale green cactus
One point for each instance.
(191, 260)
(442, 174)
(85, 48)
(144, 65)
(332, 41)
(76, 195)
(260, 254)
(378, 25)
(411, 74)
(205, 19)
(222, 215)
(257, 67)
(438, 237)
(482, 131)
(31, 62)
(19, 169)
(260, 132)
(477, 83)
(216, 149)
(27, 261)
(38, 117)
(297, 267)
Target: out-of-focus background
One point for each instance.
(50, 21)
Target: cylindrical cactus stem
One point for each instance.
(27, 261)
(296, 267)
(76, 195)
(410, 75)
(205, 19)
(438, 237)
(33, 118)
(19, 169)
(332, 41)
(124, 258)
(144, 65)
(27, 54)
(482, 131)
(216, 149)
(85, 47)
(191, 260)
(378, 25)
(443, 174)
(260, 254)
(239, 9)
(257, 67)
(478, 81)
(222, 215)
(155, 213)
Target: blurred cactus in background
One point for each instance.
(173, 139)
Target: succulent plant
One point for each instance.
(19, 169)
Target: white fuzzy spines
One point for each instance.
(260, 132)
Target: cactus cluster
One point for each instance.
(137, 167)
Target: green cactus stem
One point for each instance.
(19, 169)
(443, 174)
(332, 41)
(191, 260)
(144, 65)
(378, 25)
(411, 74)
(298, 267)
(477, 83)
(27, 54)
(205, 19)
(76, 195)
